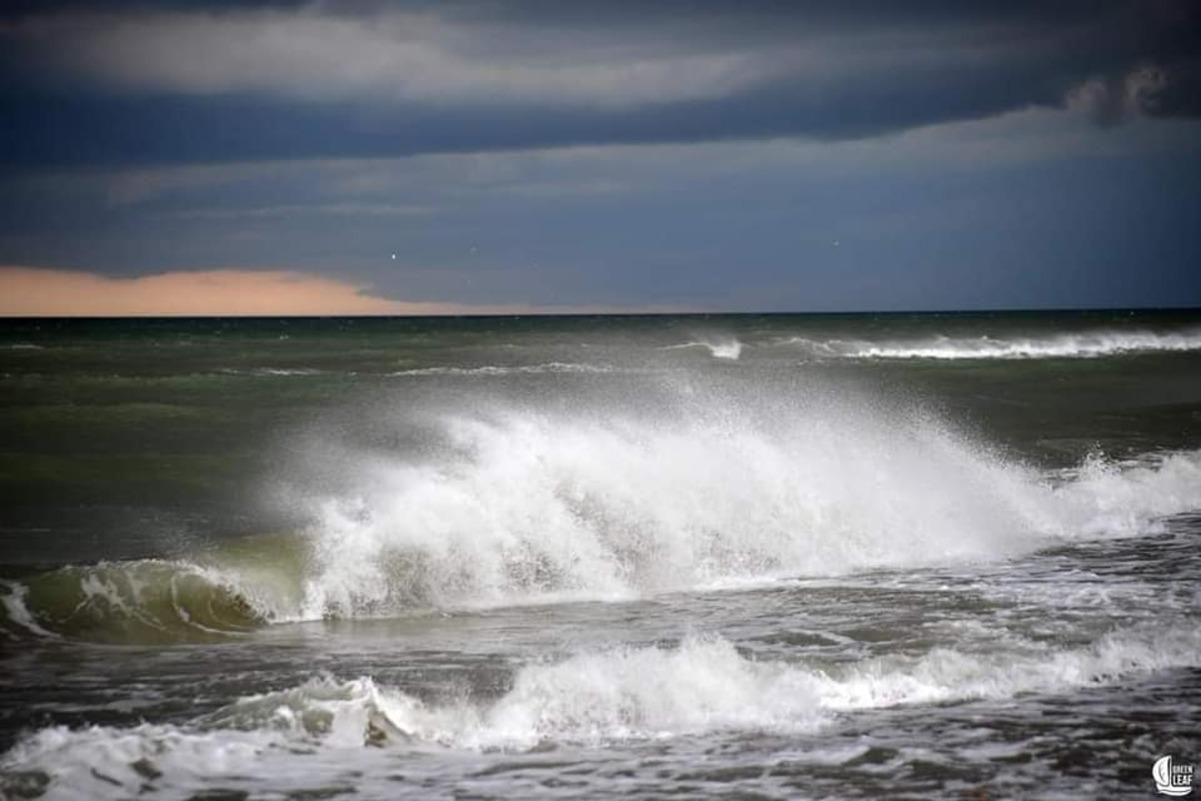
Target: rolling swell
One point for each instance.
(137, 601)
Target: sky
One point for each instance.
(222, 157)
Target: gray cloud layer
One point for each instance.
(168, 82)
(864, 154)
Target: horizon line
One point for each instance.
(584, 314)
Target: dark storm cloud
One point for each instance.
(113, 83)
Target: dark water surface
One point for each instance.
(745, 556)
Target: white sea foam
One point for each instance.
(318, 729)
(591, 698)
(1058, 346)
(13, 595)
(102, 762)
(944, 675)
(516, 505)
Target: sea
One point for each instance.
(696, 556)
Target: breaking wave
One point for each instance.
(704, 685)
(147, 600)
(518, 507)
(1059, 346)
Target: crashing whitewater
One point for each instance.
(518, 506)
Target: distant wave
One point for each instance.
(1058, 346)
(723, 348)
(494, 370)
(272, 371)
(624, 694)
(287, 371)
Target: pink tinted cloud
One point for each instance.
(38, 292)
(26, 291)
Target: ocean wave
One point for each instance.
(146, 600)
(271, 371)
(723, 348)
(525, 508)
(286, 371)
(704, 685)
(496, 370)
(1084, 345)
(520, 507)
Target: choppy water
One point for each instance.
(714, 557)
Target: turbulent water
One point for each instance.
(708, 557)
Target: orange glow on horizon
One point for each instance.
(39, 292)
(26, 291)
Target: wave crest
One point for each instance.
(519, 507)
(729, 348)
(144, 601)
(1092, 345)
